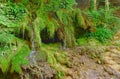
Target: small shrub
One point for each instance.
(101, 34)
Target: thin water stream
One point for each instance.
(32, 56)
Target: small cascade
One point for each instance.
(36, 69)
(33, 52)
(32, 58)
(32, 39)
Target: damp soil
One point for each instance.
(84, 67)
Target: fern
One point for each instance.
(6, 22)
(102, 34)
(11, 13)
(6, 38)
(6, 54)
(79, 20)
(12, 57)
(60, 15)
(19, 59)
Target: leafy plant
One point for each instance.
(102, 34)
(11, 13)
(20, 59)
(5, 58)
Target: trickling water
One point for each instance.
(32, 57)
(33, 52)
(32, 39)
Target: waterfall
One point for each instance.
(32, 38)
(33, 52)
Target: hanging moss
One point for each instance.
(70, 38)
(36, 37)
(79, 20)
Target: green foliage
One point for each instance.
(101, 18)
(25, 2)
(30, 17)
(82, 41)
(97, 17)
(56, 58)
(60, 74)
(52, 26)
(102, 34)
(66, 17)
(12, 57)
(50, 20)
(106, 23)
(54, 5)
(11, 13)
(70, 38)
(111, 20)
(6, 38)
(14, 11)
(57, 15)
(80, 19)
(20, 59)
(50, 51)
(5, 58)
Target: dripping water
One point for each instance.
(33, 53)
(32, 38)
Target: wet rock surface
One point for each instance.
(37, 68)
(42, 71)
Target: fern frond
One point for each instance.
(6, 38)
(6, 22)
(6, 54)
(19, 58)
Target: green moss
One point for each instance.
(82, 41)
(56, 58)
(79, 19)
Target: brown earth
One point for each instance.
(86, 67)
